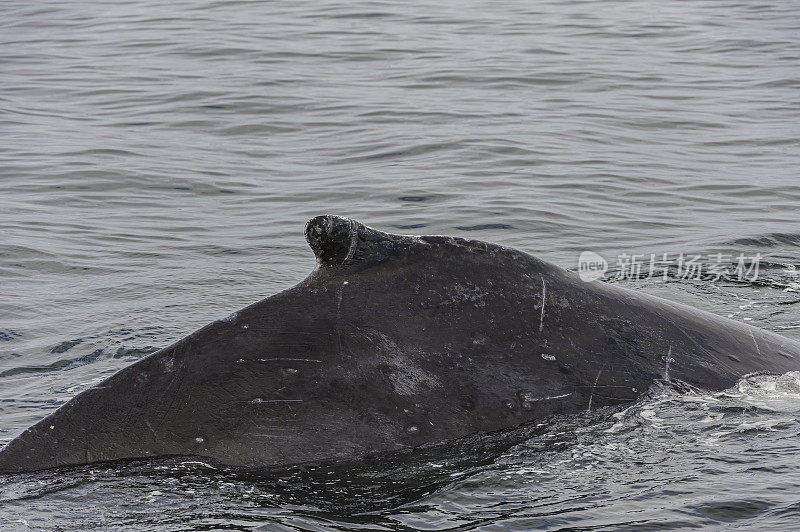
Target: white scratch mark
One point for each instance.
(353, 241)
(666, 364)
(149, 426)
(339, 315)
(753, 336)
(604, 386)
(339, 299)
(288, 360)
(689, 337)
(282, 401)
(546, 398)
(591, 395)
(544, 295)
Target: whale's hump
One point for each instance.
(341, 242)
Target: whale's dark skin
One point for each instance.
(392, 342)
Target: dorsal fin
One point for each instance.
(338, 241)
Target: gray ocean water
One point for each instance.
(158, 161)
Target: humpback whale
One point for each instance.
(395, 342)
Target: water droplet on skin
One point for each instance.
(549, 357)
(52, 427)
(256, 401)
(245, 326)
(290, 371)
(412, 429)
(199, 439)
(240, 361)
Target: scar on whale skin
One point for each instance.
(591, 395)
(753, 336)
(544, 295)
(666, 364)
(339, 294)
(353, 241)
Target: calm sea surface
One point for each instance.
(158, 161)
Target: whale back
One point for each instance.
(391, 342)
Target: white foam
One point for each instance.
(779, 393)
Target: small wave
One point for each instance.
(82, 360)
(54, 366)
(483, 227)
(768, 240)
(65, 346)
(8, 335)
